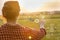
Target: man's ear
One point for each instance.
(4, 14)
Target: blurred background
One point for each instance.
(32, 11)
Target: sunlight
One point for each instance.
(30, 37)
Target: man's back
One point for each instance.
(17, 32)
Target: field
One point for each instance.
(52, 25)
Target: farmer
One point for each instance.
(13, 31)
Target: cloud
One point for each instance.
(50, 6)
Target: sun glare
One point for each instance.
(30, 37)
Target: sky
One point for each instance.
(35, 5)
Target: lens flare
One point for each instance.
(30, 37)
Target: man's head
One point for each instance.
(11, 9)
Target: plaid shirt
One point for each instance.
(17, 32)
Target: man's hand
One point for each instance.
(42, 22)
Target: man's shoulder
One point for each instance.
(15, 27)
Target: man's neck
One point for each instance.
(11, 21)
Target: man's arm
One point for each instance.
(42, 31)
(42, 28)
(36, 34)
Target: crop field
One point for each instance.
(52, 25)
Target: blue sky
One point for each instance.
(36, 5)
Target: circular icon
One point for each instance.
(36, 20)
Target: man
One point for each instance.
(13, 31)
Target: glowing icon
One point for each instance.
(36, 20)
(30, 37)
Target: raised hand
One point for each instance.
(42, 23)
